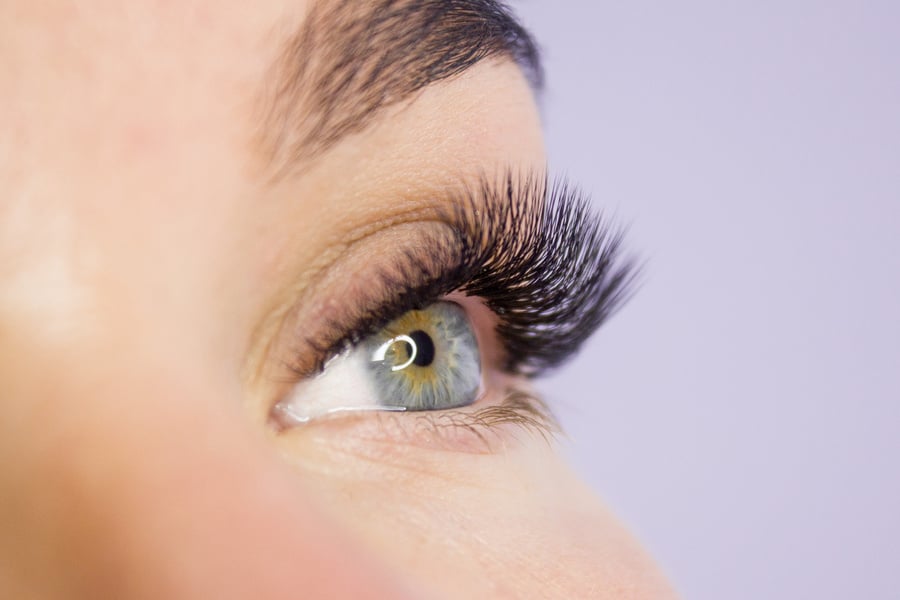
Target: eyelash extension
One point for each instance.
(549, 268)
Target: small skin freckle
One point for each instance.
(141, 140)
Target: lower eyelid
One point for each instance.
(491, 423)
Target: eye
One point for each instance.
(424, 360)
(515, 273)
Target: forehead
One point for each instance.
(329, 67)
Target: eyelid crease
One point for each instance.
(345, 322)
(296, 296)
(421, 215)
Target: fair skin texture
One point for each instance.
(144, 266)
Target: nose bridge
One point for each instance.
(85, 448)
(110, 409)
(126, 468)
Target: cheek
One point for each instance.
(514, 524)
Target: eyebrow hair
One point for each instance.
(350, 60)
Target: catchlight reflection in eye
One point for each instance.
(424, 360)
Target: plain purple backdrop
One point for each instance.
(742, 413)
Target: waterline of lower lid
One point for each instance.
(300, 419)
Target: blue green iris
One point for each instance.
(426, 360)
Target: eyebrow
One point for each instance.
(348, 61)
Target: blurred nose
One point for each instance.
(128, 470)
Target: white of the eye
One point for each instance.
(378, 355)
(342, 387)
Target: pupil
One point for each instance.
(424, 348)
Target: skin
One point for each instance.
(146, 267)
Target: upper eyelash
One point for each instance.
(549, 267)
(554, 273)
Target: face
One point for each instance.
(274, 281)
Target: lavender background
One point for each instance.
(742, 414)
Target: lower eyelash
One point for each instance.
(519, 408)
(469, 430)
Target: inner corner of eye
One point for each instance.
(428, 359)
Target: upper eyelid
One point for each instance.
(305, 286)
(337, 322)
(349, 239)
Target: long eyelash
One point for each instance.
(547, 265)
(553, 274)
